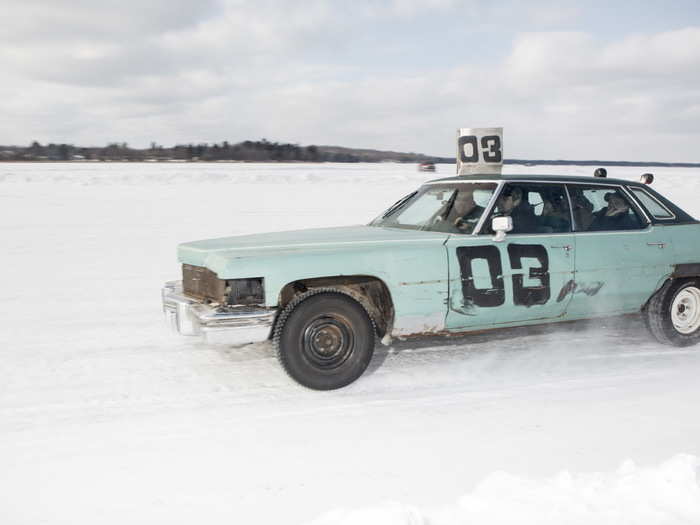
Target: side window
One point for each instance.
(654, 207)
(535, 208)
(603, 208)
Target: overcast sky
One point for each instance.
(617, 82)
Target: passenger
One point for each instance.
(616, 216)
(582, 209)
(511, 203)
(555, 216)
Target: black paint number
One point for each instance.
(468, 141)
(487, 297)
(490, 148)
(491, 145)
(529, 295)
(496, 294)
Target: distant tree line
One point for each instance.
(258, 151)
(247, 151)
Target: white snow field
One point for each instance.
(107, 418)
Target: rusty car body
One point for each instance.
(571, 248)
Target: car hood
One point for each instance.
(211, 251)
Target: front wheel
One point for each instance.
(324, 339)
(673, 313)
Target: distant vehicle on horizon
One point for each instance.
(426, 166)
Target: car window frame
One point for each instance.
(487, 208)
(623, 189)
(408, 198)
(478, 230)
(492, 205)
(657, 201)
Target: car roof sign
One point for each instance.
(479, 151)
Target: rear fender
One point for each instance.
(680, 271)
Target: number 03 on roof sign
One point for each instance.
(479, 151)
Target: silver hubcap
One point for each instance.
(685, 310)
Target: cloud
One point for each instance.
(660, 55)
(35, 21)
(339, 73)
(632, 96)
(577, 56)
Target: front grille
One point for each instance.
(203, 284)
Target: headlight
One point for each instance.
(245, 291)
(203, 284)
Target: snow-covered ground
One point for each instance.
(107, 418)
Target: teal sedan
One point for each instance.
(457, 255)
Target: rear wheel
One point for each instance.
(673, 313)
(324, 339)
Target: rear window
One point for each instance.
(603, 208)
(654, 207)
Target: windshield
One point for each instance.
(450, 208)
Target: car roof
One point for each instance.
(543, 178)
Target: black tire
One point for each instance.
(324, 339)
(660, 313)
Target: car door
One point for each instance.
(620, 255)
(520, 279)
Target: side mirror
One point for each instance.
(501, 225)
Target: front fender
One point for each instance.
(416, 275)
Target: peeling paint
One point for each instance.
(572, 287)
(438, 281)
(569, 287)
(590, 289)
(465, 306)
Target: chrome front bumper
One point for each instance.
(233, 325)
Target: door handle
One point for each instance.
(567, 248)
(660, 245)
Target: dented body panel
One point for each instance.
(496, 283)
(412, 264)
(617, 271)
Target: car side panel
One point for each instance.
(415, 274)
(515, 281)
(617, 271)
(685, 240)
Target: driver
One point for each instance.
(511, 202)
(465, 212)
